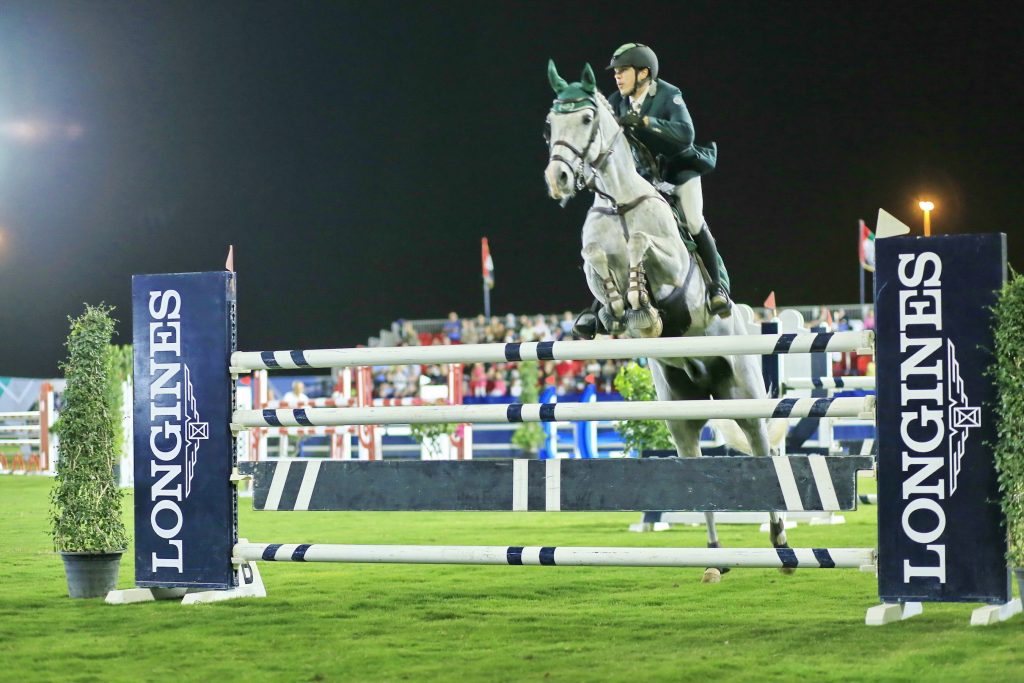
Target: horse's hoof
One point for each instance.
(712, 575)
(644, 322)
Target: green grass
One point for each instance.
(332, 622)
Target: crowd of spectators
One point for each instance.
(494, 379)
(568, 377)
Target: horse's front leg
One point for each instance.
(643, 320)
(602, 279)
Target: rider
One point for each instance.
(653, 112)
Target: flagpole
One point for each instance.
(860, 267)
(487, 274)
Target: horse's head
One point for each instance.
(573, 131)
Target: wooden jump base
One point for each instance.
(702, 484)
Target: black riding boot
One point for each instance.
(718, 299)
(588, 324)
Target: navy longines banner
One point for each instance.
(939, 522)
(185, 502)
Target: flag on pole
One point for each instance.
(229, 265)
(769, 303)
(488, 264)
(866, 248)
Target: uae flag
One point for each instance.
(487, 263)
(866, 248)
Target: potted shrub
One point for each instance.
(85, 501)
(1009, 447)
(529, 436)
(649, 438)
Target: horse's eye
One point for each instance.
(587, 119)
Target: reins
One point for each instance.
(578, 169)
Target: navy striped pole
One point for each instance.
(814, 558)
(861, 406)
(599, 349)
(830, 383)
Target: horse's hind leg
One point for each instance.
(712, 574)
(777, 531)
(686, 434)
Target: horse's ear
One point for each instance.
(588, 80)
(558, 83)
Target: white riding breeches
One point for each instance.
(689, 199)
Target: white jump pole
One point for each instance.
(817, 558)
(829, 383)
(551, 412)
(603, 349)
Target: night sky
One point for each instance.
(355, 152)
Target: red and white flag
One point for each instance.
(487, 263)
(769, 303)
(866, 247)
(229, 265)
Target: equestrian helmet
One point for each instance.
(636, 55)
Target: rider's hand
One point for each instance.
(631, 120)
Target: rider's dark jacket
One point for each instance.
(669, 134)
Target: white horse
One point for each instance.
(639, 269)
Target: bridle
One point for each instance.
(578, 168)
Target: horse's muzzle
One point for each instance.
(559, 180)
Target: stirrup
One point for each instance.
(719, 303)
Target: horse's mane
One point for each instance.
(603, 103)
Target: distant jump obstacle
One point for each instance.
(29, 429)
(939, 540)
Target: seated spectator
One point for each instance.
(296, 395)
(470, 335)
(566, 324)
(409, 337)
(452, 329)
(526, 329)
(541, 331)
(478, 380)
(499, 387)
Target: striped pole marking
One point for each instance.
(663, 347)
(829, 383)
(861, 406)
(814, 558)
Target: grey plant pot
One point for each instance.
(91, 575)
